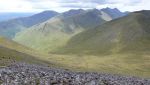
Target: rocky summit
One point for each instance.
(26, 74)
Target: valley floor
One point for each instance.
(26, 74)
(125, 64)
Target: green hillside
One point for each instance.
(120, 46)
(128, 34)
(54, 33)
(11, 52)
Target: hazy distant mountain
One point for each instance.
(11, 27)
(70, 13)
(114, 13)
(129, 34)
(12, 15)
(55, 32)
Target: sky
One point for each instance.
(64, 5)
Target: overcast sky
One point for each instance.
(63, 5)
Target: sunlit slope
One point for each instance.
(125, 64)
(54, 33)
(11, 52)
(127, 34)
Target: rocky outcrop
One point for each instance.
(25, 74)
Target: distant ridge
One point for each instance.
(10, 27)
(114, 12)
(55, 32)
(4, 16)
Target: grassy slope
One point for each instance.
(9, 56)
(127, 34)
(111, 47)
(125, 64)
(11, 52)
(42, 42)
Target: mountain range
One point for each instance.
(105, 40)
(9, 28)
(55, 32)
(4, 16)
(123, 35)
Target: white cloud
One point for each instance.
(15, 5)
(127, 5)
(63, 5)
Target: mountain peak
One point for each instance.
(49, 11)
(45, 13)
(114, 12)
(110, 9)
(94, 10)
(75, 10)
(72, 12)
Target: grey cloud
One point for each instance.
(77, 5)
(69, 3)
(83, 1)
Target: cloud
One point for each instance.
(63, 5)
(83, 1)
(80, 5)
(129, 5)
(123, 1)
(16, 5)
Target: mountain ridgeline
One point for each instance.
(12, 15)
(127, 34)
(55, 32)
(10, 27)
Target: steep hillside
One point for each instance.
(127, 34)
(10, 27)
(11, 52)
(55, 32)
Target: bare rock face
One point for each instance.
(25, 74)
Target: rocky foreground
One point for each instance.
(25, 74)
